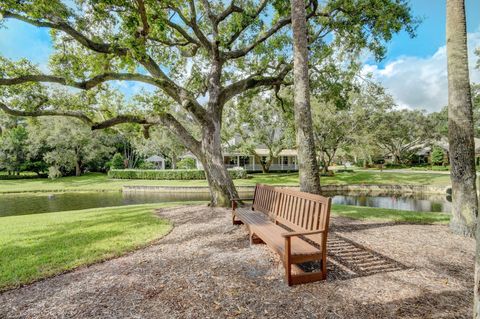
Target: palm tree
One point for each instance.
(307, 160)
(460, 134)
(460, 123)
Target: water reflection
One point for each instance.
(420, 203)
(21, 204)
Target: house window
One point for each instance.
(230, 160)
(244, 160)
(285, 160)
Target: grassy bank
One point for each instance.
(389, 215)
(100, 182)
(42, 245)
(37, 246)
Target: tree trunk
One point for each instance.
(78, 170)
(307, 160)
(460, 135)
(266, 166)
(221, 186)
(174, 162)
(460, 124)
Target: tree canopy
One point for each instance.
(196, 55)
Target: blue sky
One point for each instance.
(414, 70)
(431, 32)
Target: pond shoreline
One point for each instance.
(374, 188)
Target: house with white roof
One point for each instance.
(285, 161)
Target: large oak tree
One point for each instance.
(197, 54)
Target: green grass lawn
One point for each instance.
(37, 246)
(100, 182)
(389, 215)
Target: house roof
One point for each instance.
(259, 151)
(443, 143)
(155, 159)
(263, 152)
(188, 155)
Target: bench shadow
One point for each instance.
(347, 259)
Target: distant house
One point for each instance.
(424, 152)
(286, 160)
(444, 145)
(158, 161)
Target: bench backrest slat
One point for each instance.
(264, 199)
(296, 210)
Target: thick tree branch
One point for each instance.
(165, 119)
(245, 25)
(38, 113)
(65, 27)
(228, 11)
(183, 32)
(121, 119)
(192, 23)
(235, 54)
(84, 85)
(253, 81)
(171, 123)
(143, 16)
(178, 93)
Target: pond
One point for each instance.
(22, 204)
(417, 202)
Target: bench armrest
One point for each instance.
(235, 201)
(241, 199)
(302, 233)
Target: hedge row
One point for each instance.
(178, 174)
(11, 177)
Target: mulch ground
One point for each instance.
(205, 268)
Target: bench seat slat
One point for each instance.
(271, 234)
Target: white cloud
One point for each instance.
(421, 83)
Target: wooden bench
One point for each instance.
(293, 224)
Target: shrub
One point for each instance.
(146, 165)
(437, 156)
(345, 171)
(21, 176)
(54, 172)
(178, 174)
(117, 161)
(186, 163)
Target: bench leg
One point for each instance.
(254, 239)
(287, 262)
(324, 267)
(234, 221)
